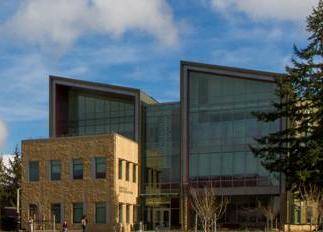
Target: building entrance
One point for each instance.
(161, 218)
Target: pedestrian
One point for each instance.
(84, 223)
(64, 226)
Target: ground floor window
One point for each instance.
(120, 213)
(77, 212)
(127, 213)
(56, 211)
(100, 213)
(33, 211)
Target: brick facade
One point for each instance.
(111, 190)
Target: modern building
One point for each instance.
(204, 138)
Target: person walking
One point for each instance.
(84, 223)
(64, 226)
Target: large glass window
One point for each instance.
(162, 147)
(221, 127)
(56, 211)
(100, 213)
(77, 169)
(100, 167)
(77, 212)
(91, 113)
(55, 170)
(33, 170)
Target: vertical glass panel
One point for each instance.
(92, 113)
(162, 144)
(221, 124)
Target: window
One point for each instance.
(33, 211)
(100, 167)
(100, 213)
(77, 212)
(120, 213)
(127, 213)
(127, 171)
(55, 170)
(134, 214)
(77, 169)
(33, 170)
(134, 173)
(56, 211)
(120, 169)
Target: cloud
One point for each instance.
(24, 84)
(290, 10)
(3, 133)
(60, 23)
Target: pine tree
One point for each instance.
(12, 179)
(297, 149)
(2, 188)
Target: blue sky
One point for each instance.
(133, 43)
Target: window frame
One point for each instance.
(134, 173)
(31, 175)
(100, 175)
(59, 176)
(127, 171)
(100, 205)
(120, 169)
(57, 219)
(77, 206)
(74, 164)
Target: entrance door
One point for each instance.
(161, 218)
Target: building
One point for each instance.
(96, 176)
(202, 139)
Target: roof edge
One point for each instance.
(230, 68)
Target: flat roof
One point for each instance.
(65, 80)
(73, 137)
(229, 68)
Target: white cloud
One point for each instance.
(3, 133)
(291, 10)
(59, 23)
(24, 87)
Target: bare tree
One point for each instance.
(312, 195)
(208, 206)
(270, 211)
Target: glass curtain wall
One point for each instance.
(221, 128)
(98, 114)
(161, 158)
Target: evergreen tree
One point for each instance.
(12, 179)
(297, 149)
(2, 189)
